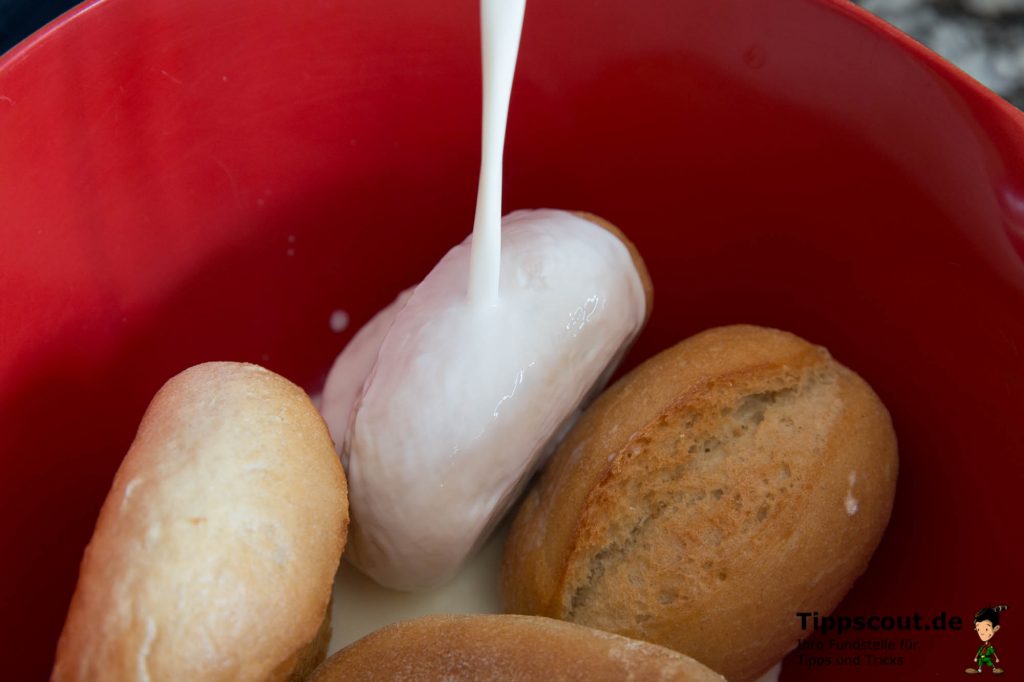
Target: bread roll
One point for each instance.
(459, 404)
(721, 487)
(216, 548)
(505, 648)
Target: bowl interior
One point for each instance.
(183, 182)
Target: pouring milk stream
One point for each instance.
(501, 25)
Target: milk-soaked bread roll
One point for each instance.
(445, 409)
(216, 548)
(720, 488)
(512, 648)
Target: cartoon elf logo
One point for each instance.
(986, 624)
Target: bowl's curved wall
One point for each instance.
(188, 181)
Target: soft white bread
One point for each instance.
(216, 548)
(721, 487)
(505, 648)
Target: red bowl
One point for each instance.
(199, 180)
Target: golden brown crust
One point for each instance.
(638, 261)
(722, 486)
(215, 551)
(507, 648)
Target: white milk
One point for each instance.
(501, 24)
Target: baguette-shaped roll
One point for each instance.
(706, 498)
(508, 648)
(216, 548)
(445, 409)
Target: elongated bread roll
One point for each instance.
(506, 647)
(444, 409)
(726, 484)
(215, 551)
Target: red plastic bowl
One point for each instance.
(197, 180)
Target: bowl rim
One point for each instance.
(846, 8)
(968, 86)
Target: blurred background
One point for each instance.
(983, 37)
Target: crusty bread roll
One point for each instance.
(726, 484)
(505, 648)
(215, 551)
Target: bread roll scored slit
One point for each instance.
(214, 554)
(703, 500)
(459, 403)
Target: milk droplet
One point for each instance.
(339, 321)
